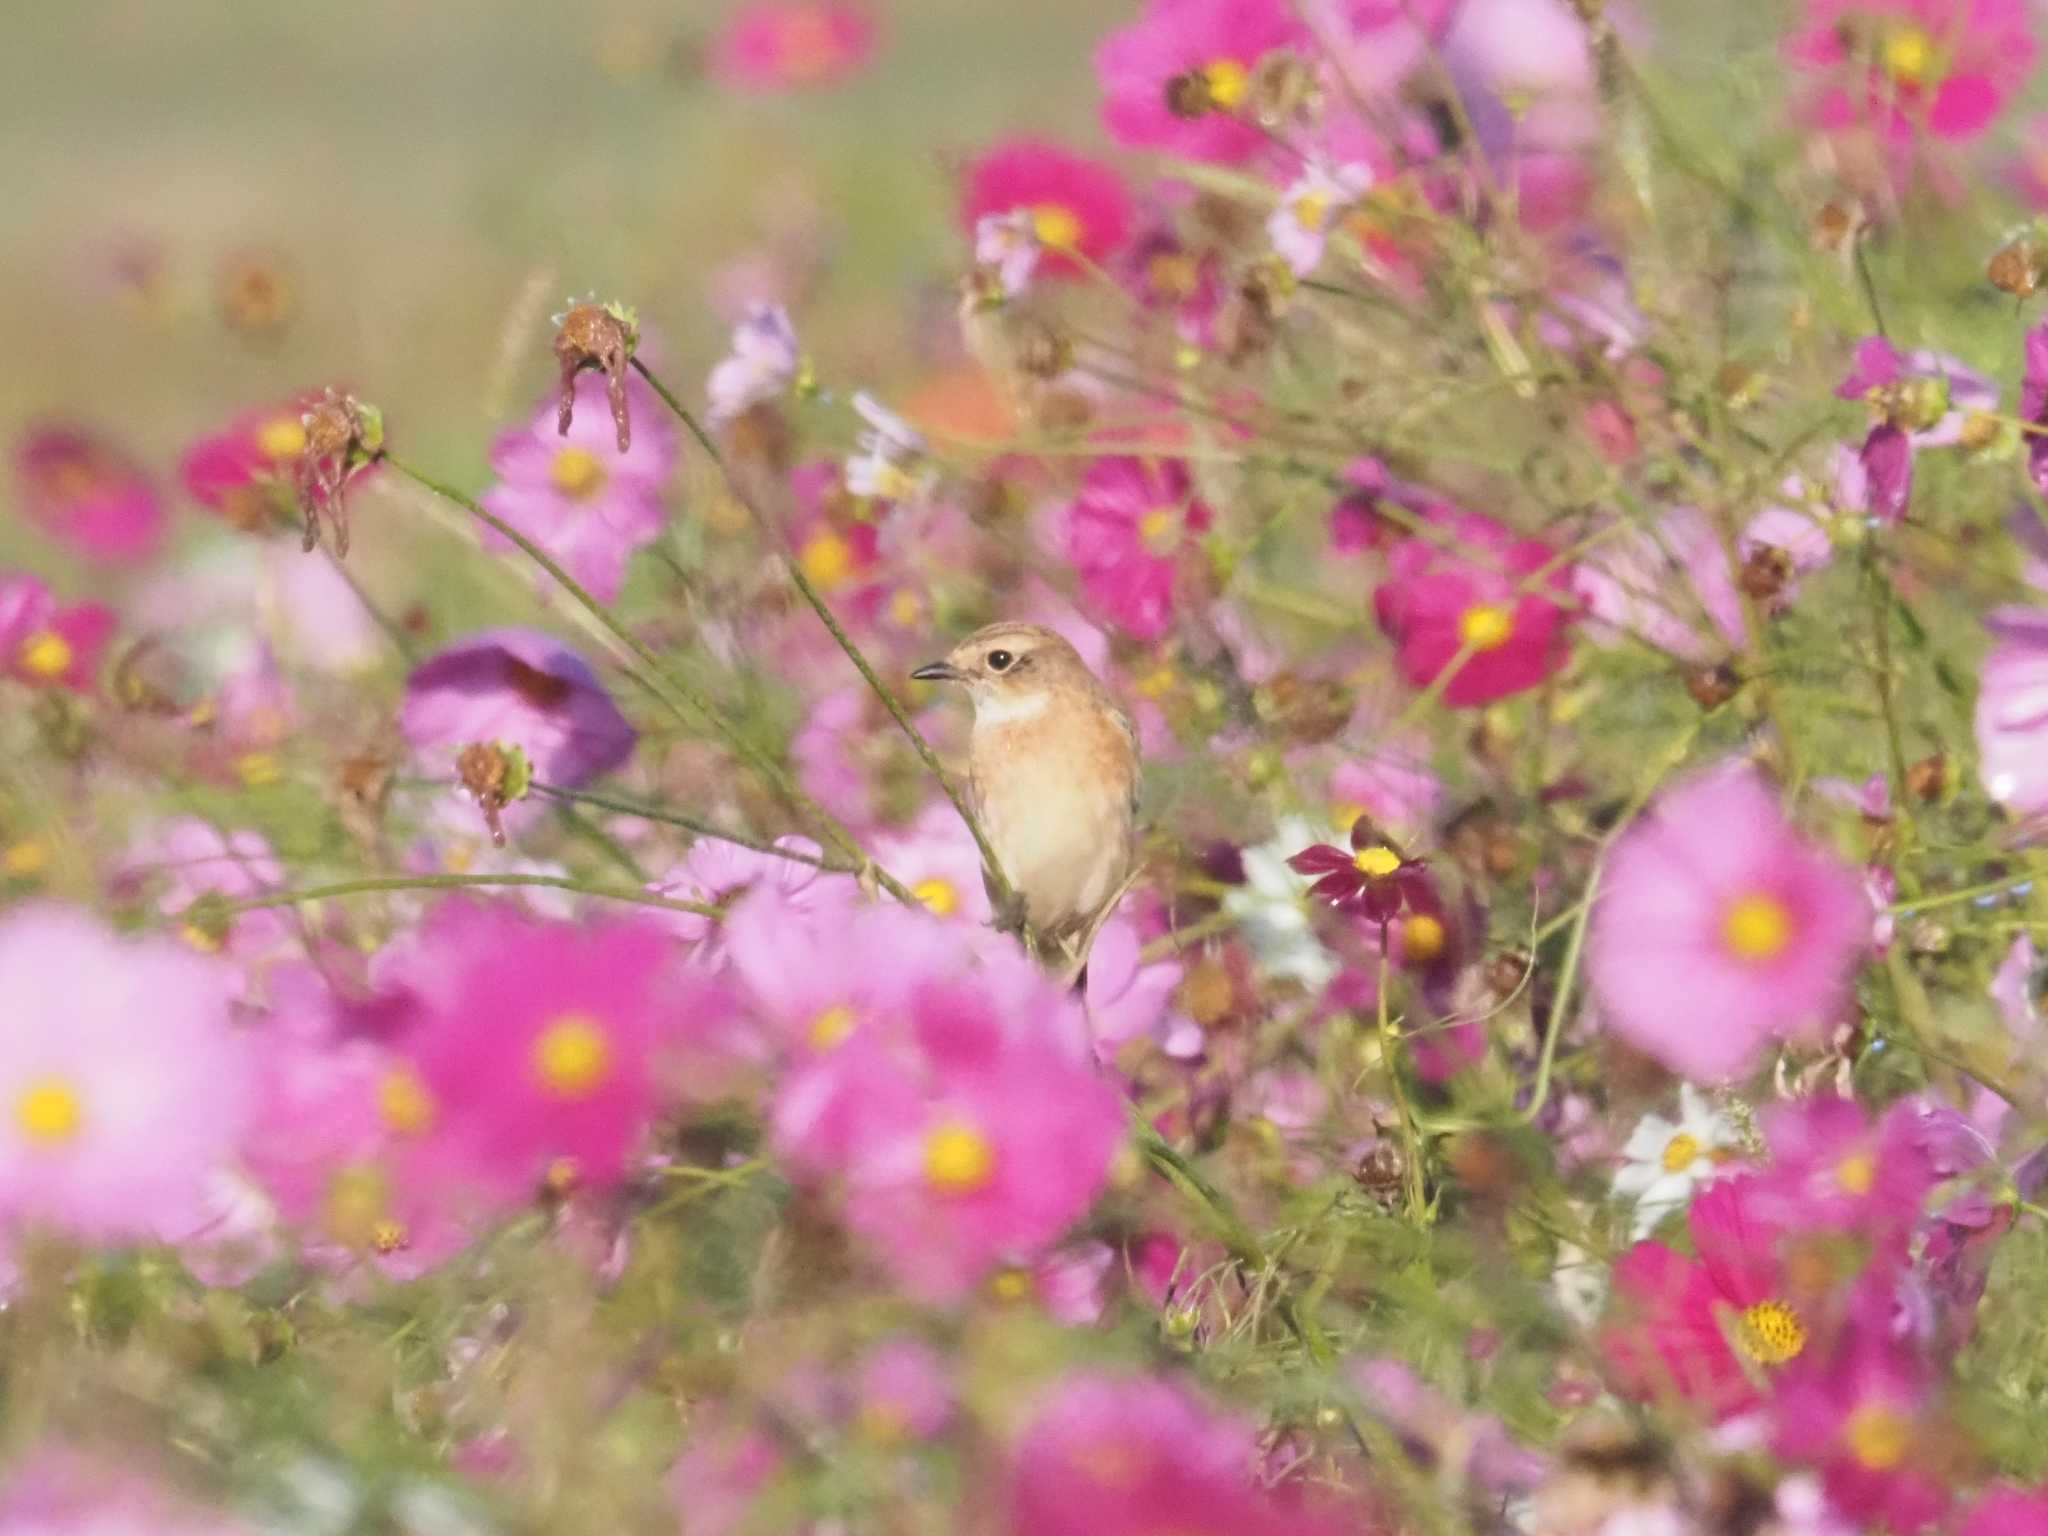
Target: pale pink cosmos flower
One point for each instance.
(1219, 43)
(1374, 45)
(1667, 585)
(47, 644)
(89, 496)
(1074, 206)
(826, 750)
(2012, 712)
(1131, 999)
(124, 1084)
(905, 1390)
(1309, 209)
(1124, 533)
(2004, 1510)
(53, 1491)
(936, 857)
(1719, 927)
(575, 495)
(1007, 245)
(185, 860)
(716, 872)
(1943, 67)
(782, 45)
(1131, 1456)
(1833, 1169)
(762, 364)
(892, 461)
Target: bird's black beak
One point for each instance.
(938, 672)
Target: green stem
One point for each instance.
(681, 700)
(1411, 1135)
(692, 824)
(205, 910)
(1002, 894)
(1968, 893)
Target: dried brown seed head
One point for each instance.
(343, 437)
(495, 775)
(601, 337)
(1711, 687)
(1765, 572)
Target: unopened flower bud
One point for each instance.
(599, 336)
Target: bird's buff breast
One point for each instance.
(1054, 795)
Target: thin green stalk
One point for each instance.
(681, 700)
(1002, 894)
(206, 910)
(1411, 1135)
(1968, 893)
(692, 824)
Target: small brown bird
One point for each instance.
(1053, 771)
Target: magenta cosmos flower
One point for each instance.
(1705, 1330)
(244, 470)
(48, 645)
(781, 45)
(575, 494)
(1718, 927)
(2012, 712)
(521, 687)
(1463, 594)
(2008, 1511)
(124, 1085)
(1124, 534)
(543, 1048)
(1215, 43)
(89, 496)
(1114, 1456)
(1075, 204)
(1943, 66)
(1833, 1170)
(54, 1492)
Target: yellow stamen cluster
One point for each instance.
(50, 1113)
(1758, 928)
(577, 473)
(572, 1056)
(1878, 1436)
(1057, 226)
(832, 1026)
(826, 560)
(958, 1160)
(46, 654)
(1770, 1333)
(938, 896)
(1376, 862)
(1486, 626)
(1680, 1152)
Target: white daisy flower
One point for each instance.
(1665, 1161)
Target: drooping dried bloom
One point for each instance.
(495, 774)
(343, 437)
(599, 336)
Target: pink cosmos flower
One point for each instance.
(1375, 44)
(1124, 534)
(577, 496)
(2027, 171)
(185, 860)
(1659, 584)
(2008, 1511)
(525, 689)
(244, 470)
(1864, 1416)
(762, 364)
(936, 858)
(1309, 208)
(1218, 41)
(1076, 204)
(716, 872)
(540, 1046)
(1129, 999)
(2034, 402)
(48, 645)
(781, 45)
(124, 1085)
(1719, 927)
(1111, 1456)
(904, 1390)
(2012, 712)
(1705, 1329)
(1831, 1169)
(55, 1492)
(1438, 601)
(89, 496)
(1946, 67)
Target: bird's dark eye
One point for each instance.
(999, 661)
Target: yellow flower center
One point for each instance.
(388, 1236)
(46, 654)
(1486, 626)
(827, 560)
(1227, 80)
(832, 1026)
(562, 1176)
(572, 1056)
(1423, 938)
(1856, 1174)
(404, 1102)
(1056, 225)
(1009, 1284)
(906, 608)
(1878, 1436)
(1770, 1333)
(577, 473)
(25, 859)
(1157, 683)
(1157, 529)
(958, 1160)
(1311, 209)
(1908, 55)
(198, 938)
(1376, 862)
(938, 896)
(50, 1113)
(258, 770)
(1680, 1152)
(281, 438)
(1757, 928)
(357, 1201)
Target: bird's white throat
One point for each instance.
(1000, 706)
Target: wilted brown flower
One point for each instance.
(2018, 267)
(1765, 572)
(1926, 779)
(343, 437)
(495, 775)
(600, 336)
(1713, 686)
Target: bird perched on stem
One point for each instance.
(1052, 770)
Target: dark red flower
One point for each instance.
(1374, 879)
